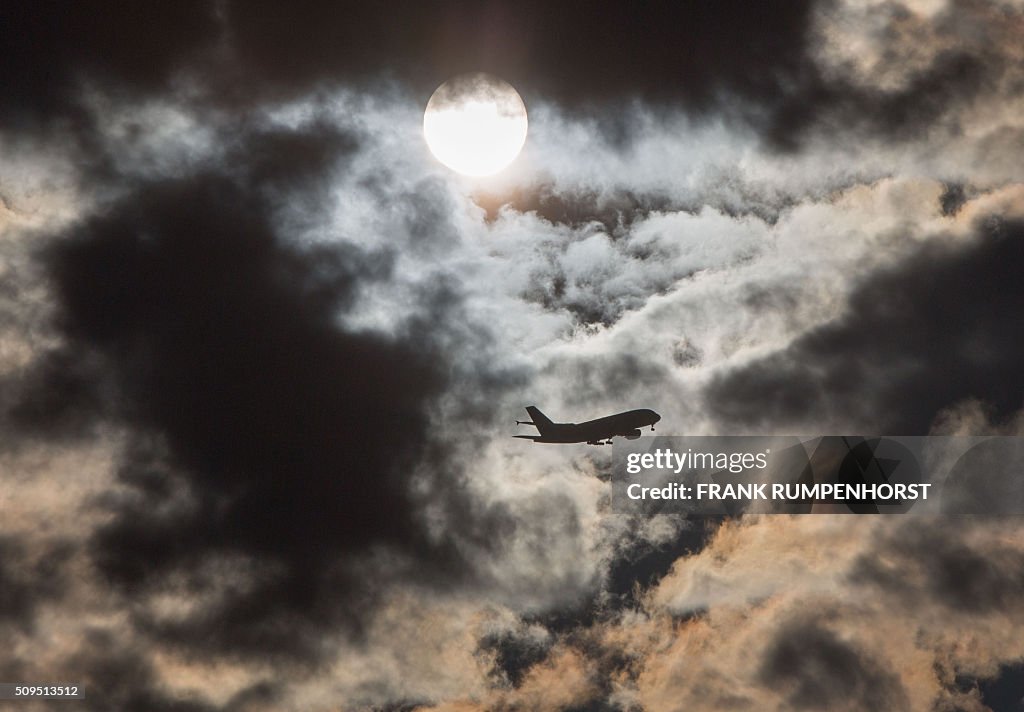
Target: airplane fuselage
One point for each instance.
(626, 424)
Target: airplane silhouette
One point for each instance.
(592, 432)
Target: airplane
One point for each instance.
(592, 432)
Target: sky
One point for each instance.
(261, 354)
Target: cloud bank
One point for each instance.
(260, 356)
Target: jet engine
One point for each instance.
(632, 434)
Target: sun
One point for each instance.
(475, 124)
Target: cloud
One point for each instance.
(815, 669)
(239, 54)
(876, 368)
(574, 53)
(262, 428)
(30, 577)
(260, 356)
(891, 69)
(970, 572)
(52, 51)
(799, 634)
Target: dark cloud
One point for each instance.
(401, 706)
(640, 565)
(263, 428)
(49, 48)
(117, 674)
(922, 71)
(54, 394)
(814, 669)
(57, 395)
(940, 564)
(953, 198)
(574, 51)
(595, 705)
(635, 568)
(953, 79)
(940, 327)
(581, 296)
(515, 652)
(280, 163)
(701, 56)
(223, 340)
(29, 580)
(236, 52)
(614, 211)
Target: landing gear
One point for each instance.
(608, 442)
(652, 428)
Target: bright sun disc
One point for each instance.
(475, 124)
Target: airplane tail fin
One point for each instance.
(543, 422)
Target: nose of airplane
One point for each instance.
(656, 416)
